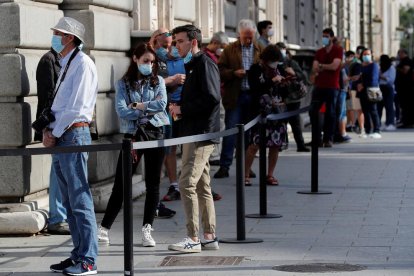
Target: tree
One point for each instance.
(407, 21)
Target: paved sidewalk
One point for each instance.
(367, 220)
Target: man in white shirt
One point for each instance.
(73, 105)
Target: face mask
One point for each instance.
(188, 57)
(162, 54)
(366, 58)
(145, 69)
(273, 64)
(325, 41)
(283, 52)
(270, 32)
(57, 43)
(174, 52)
(219, 51)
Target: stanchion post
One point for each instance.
(128, 222)
(240, 211)
(240, 167)
(263, 175)
(262, 168)
(316, 140)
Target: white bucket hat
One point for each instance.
(71, 26)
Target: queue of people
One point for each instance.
(174, 88)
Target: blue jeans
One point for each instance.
(341, 105)
(239, 115)
(370, 113)
(57, 213)
(329, 97)
(388, 103)
(72, 176)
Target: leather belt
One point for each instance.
(79, 124)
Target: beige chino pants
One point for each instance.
(195, 188)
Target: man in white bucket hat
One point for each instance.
(71, 110)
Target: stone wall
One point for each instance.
(26, 35)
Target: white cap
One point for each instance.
(71, 26)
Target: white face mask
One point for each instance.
(270, 32)
(219, 51)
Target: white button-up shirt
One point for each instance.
(76, 97)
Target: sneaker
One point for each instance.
(363, 134)
(81, 268)
(163, 212)
(186, 245)
(62, 265)
(216, 196)
(390, 128)
(61, 228)
(222, 173)
(346, 139)
(210, 244)
(172, 194)
(375, 135)
(147, 239)
(103, 235)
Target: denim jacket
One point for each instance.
(154, 98)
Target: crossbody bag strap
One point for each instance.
(63, 76)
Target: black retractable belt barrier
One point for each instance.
(262, 178)
(128, 221)
(240, 163)
(316, 140)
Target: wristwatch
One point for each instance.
(320, 66)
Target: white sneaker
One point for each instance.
(186, 245)
(147, 239)
(210, 244)
(390, 128)
(363, 134)
(375, 135)
(103, 235)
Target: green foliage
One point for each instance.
(406, 19)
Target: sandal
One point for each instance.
(270, 180)
(247, 181)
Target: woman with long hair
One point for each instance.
(141, 99)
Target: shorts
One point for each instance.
(171, 131)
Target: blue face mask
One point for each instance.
(145, 69)
(188, 57)
(57, 43)
(174, 52)
(325, 41)
(366, 58)
(162, 54)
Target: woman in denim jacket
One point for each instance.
(141, 100)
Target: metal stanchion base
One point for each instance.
(240, 241)
(314, 193)
(264, 216)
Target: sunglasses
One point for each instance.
(167, 34)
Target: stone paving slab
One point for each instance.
(367, 220)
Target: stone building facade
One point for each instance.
(112, 28)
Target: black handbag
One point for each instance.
(297, 90)
(148, 132)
